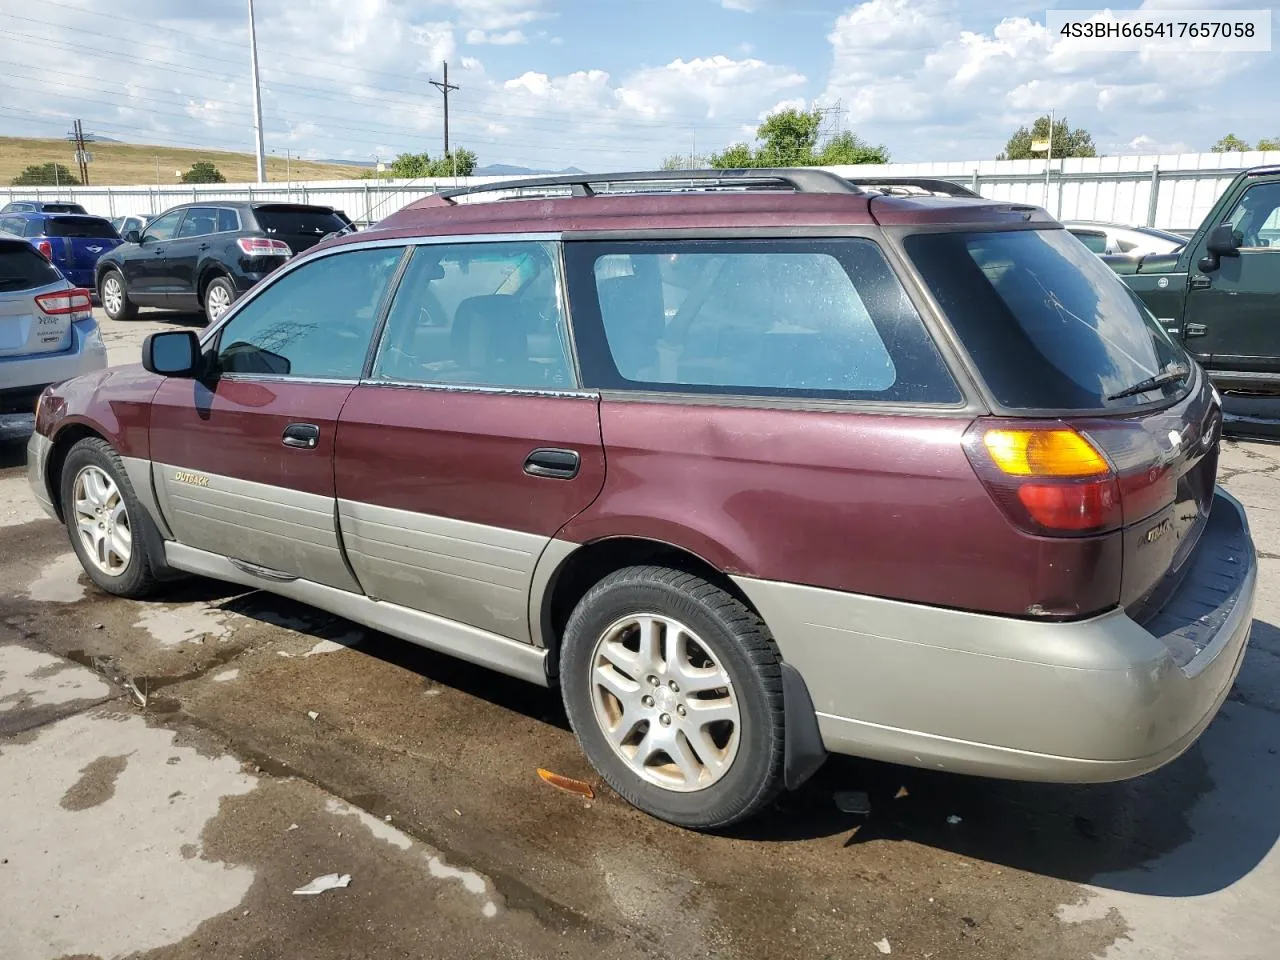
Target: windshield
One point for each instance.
(1048, 324)
(80, 227)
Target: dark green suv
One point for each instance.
(1221, 295)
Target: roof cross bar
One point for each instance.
(932, 184)
(799, 179)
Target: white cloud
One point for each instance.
(504, 38)
(744, 6)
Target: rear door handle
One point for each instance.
(553, 463)
(304, 435)
(1201, 283)
(1194, 330)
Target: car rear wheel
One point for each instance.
(674, 689)
(101, 512)
(218, 297)
(115, 298)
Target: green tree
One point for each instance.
(683, 161)
(418, 166)
(203, 171)
(1268, 143)
(847, 148)
(1066, 142)
(1230, 144)
(45, 175)
(790, 138)
(410, 166)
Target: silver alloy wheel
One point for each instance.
(217, 301)
(102, 521)
(664, 703)
(112, 294)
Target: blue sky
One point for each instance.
(606, 84)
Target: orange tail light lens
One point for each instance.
(1050, 479)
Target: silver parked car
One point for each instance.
(1122, 240)
(47, 330)
(134, 221)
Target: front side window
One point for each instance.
(316, 321)
(807, 318)
(200, 222)
(1048, 324)
(1257, 217)
(163, 228)
(478, 313)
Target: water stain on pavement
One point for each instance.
(97, 783)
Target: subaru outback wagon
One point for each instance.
(754, 466)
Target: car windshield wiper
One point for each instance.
(1172, 374)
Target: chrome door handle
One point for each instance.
(1194, 330)
(304, 435)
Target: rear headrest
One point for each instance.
(633, 322)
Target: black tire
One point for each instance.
(737, 638)
(225, 288)
(127, 309)
(137, 579)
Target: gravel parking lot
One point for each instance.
(171, 771)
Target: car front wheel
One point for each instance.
(674, 689)
(102, 516)
(115, 298)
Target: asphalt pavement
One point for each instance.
(171, 772)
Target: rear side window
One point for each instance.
(808, 318)
(64, 208)
(91, 227)
(1048, 324)
(21, 268)
(478, 313)
(1094, 242)
(228, 220)
(316, 321)
(298, 221)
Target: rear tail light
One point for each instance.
(263, 247)
(1049, 478)
(75, 303)
(45, 248)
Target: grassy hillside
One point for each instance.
(126, 164)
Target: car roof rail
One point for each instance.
(798, 179)
(927, 184)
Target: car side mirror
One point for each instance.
(172, 353)
(132, 236)
(1224, 241)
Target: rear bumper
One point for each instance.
(1094, 700)
(86, 354)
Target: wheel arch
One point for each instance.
(208, 273)
(63, 441)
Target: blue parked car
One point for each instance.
(72, 242)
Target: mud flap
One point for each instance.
(803, 751)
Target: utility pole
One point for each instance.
(82, 156)
(444, 86)
(1048, 161)
(257, 97)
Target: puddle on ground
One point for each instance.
(59, 581)
(175, 624)
(32, 678)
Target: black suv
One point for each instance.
(205, 255)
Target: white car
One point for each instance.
(134, 221)
(1116, 238)
(47, 330)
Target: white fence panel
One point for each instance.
(1173, 191)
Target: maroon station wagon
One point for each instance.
(755, 466)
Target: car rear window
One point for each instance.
(64, 208)
(95, 227)
(21, 268)
(805, 318)
(1048, 324)
(296, 221)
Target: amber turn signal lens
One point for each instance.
(1044, 453)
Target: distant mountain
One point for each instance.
(510, 170)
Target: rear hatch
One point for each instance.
(1102, 426)
(25, 329)
(299, 225)
(78, 241)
